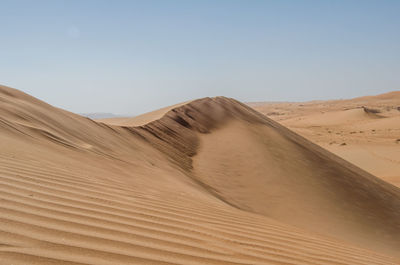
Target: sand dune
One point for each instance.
(364, 131)
(140, 119)
(208, 182)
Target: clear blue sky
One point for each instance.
(135, 56)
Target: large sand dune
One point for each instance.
(208, 182)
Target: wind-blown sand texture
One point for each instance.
(364, 131)
(209, 182)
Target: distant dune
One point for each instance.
(100, 115)
(140, 119)
(210, 181)
(364, 131)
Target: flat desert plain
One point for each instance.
(210, 181)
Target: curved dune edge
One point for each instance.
(73, 191)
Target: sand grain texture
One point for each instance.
(209, 182)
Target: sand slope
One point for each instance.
(255, 164)
(349, 129)
(74, 191)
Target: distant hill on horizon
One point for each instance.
(101, 115)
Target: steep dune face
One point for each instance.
(255, 164)
(73, 191)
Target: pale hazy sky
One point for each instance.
(129, 57)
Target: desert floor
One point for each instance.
(367, 139)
